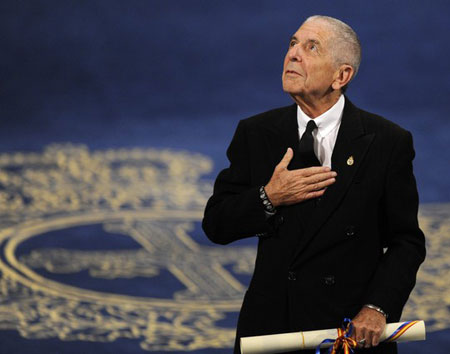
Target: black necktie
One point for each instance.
(306, 146)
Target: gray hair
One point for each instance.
(345, 45)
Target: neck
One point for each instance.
(314, 107)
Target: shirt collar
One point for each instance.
(327, 121)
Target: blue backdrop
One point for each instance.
(179, 75)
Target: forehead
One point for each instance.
(314, 30)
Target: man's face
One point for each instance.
(309, 68)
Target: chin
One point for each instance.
(290, 86)
(291, 89)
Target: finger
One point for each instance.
(359, 336)
(310, 171)
(320, 185)
(374, 341)
(314, 194)
(368, 335)
(376, 338)
(320, 177)
(355, 337)
(286, 158)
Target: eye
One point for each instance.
(292, 43)
(313, 47)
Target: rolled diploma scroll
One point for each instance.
(287, 342)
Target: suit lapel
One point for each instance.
(349, 151)
(289, 135)
(284, 134)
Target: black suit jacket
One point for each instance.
(321, 261)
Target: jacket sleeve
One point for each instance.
(235, 210)
(395, 276)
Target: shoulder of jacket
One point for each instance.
(269, 117)
(378, 124)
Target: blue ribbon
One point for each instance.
(399, 329)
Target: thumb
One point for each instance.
(286, 158)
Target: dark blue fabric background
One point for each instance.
(180, 74)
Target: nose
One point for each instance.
(294, 53)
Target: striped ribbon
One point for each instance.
(343, 340)
(400, 330)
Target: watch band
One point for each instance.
(268, 206)
(376, 308)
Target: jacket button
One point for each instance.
(329, 280)
(291, 276)
(350, 230)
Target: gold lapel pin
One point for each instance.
(350, 161)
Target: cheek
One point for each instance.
(285, 63)
(318, 73)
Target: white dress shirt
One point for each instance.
(325, 135)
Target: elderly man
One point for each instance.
(329, 190)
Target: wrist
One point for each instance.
(376, 308)
(268, 206)
(270, 195)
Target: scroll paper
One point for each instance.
(286, 342)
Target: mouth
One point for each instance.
(291, 72)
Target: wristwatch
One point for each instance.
(376, 308)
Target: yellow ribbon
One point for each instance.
(343, 342)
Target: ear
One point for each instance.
(342, 76)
